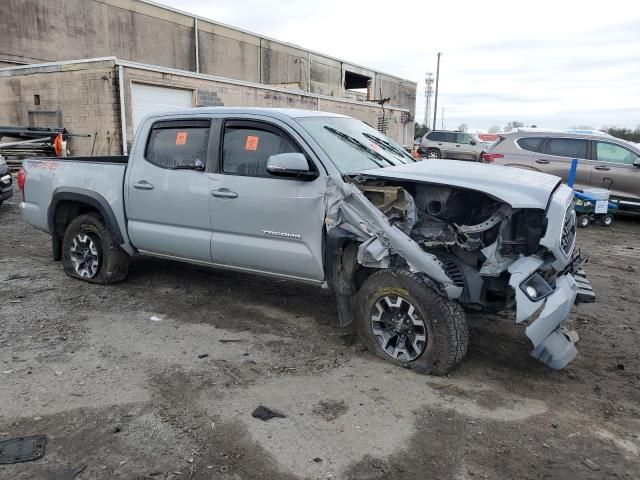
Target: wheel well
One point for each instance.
(66, 211)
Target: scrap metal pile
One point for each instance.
(18, 143)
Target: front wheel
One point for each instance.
(403, 320)
(90, 252)
(433, 154)
(584, 221)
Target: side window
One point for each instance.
(464, 138)
(567, 147)
(177, 144)
(434, 136)
(247, 148)
(449, 137)
(532, 144)
(612, 153)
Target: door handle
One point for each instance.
(224, 193)
(544, 162)
(143, 185)
(602, 167)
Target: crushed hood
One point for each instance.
(518, 187)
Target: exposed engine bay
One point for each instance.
(474, 236)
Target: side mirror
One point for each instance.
(290, 165)
(473, 142)
(637, 162)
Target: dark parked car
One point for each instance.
(6, 182)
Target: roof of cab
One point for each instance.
(270, 112)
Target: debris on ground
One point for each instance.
(230, 340)
(22, 449)
(203, 355)
(264, 413)
(591, 464)
(155, 318)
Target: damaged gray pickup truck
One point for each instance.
(327, 200)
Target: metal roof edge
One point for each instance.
(292, 45)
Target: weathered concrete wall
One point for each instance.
(230, 95)
(87, 99)
(36, 31)
(87, 96)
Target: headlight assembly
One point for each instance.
(536, 288)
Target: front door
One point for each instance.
(614, 169)
(262, 222)
(464, 149)
(168, 190)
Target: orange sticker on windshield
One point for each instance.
(252, 143)
(181, 138)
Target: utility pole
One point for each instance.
(435, 103)
(428, 93)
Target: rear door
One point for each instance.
(449, 145)
(556, 156)
(263, 222)
(614, 169)
(167, 207)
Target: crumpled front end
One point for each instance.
(550, 293)
(474, 247)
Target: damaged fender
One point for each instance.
(350, 210)
(551, 345)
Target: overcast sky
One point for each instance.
(550, 63)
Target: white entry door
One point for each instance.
(146, 99)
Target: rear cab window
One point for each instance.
(178, 144)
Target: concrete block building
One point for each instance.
(96, 67)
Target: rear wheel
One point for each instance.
(606, 220)
(403, 320)
(433, 154)
(90, 252)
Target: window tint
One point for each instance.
(246, 150)
(435, 136)
(567, 147)
(463, 138)
(609, 152)
(533, 144)
(450, 137)
(178, 144)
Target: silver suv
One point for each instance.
(456, 145)
(603, 161)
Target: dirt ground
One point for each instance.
(122, 396)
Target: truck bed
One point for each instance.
(55, 179)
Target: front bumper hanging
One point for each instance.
(552, 344)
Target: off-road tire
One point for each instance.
(447, 329)
(114, 262)
(434, 152)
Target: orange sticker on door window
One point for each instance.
(252, 143)
(181, 138)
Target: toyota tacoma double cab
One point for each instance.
(406, 246)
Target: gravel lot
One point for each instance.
(122, 396)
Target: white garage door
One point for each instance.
(146, 99)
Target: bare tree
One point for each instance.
(463, 127)
(511, 125)
(494, 129)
